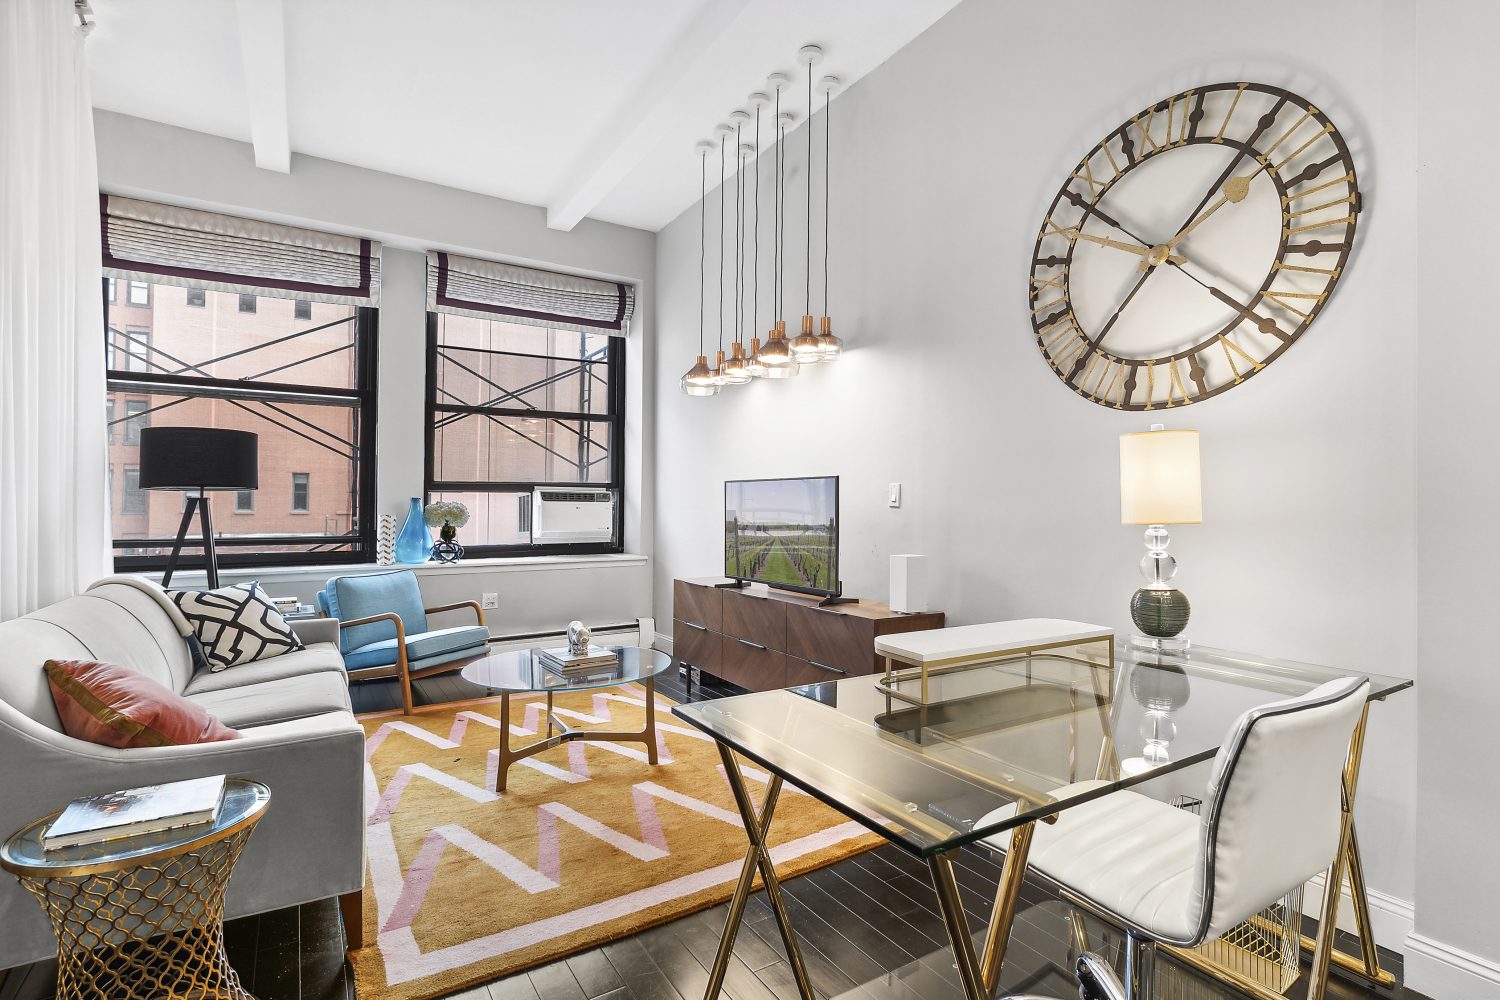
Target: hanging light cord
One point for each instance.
(702, 243)
(776, 221)
(739, 243)
(755, 268)
(721, 241)
(827, 146)
(807, 290)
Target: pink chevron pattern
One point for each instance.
(401, 889)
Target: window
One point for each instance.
(109, 424)
(247, 303)
(307, 390)
(136, 417)
(514, 407)
(140, 293)
(109, 290)
(133, 499)
(302, 309)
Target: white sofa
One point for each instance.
(300, 739)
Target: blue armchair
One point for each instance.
(383, 629)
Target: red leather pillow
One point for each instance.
(111, 705)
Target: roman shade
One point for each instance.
(487, 289)
(181, 246)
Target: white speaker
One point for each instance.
(908, 583)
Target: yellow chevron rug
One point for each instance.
(588, 843)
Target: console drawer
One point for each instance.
(800, 671)
(745, 664)
(696, 646)
(832, 638)
(762, 620)
(698, 604)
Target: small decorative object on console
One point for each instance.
(1160, 485)
(414, 544)
(449, 515)
(385, 542)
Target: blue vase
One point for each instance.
(414, 544)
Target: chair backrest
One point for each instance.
(354, 597)
(1273, 810)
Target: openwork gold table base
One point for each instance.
(154, 930)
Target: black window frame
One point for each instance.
(254, 303)
(201, 294)
(360, 547)
(301, 306)
(614, 417)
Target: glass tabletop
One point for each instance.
(524, 670)
(23, 853)
(1019, 730)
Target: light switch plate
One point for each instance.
(894, 499)
(490, 601)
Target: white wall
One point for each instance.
(944, 161)
(146, 159)
(1456, 949)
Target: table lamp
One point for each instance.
(196, 460)
(1160, 485)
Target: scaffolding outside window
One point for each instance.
(513, 407)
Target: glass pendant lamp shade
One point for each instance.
(689, 389)
(733, 369)
(716, 374)
(777, 351)
(832, 346)
(807, 348)
(699, 373)
(753, 364)
(783, 371)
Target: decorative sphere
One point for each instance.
(1160, 687)
(1158, 566)
(1160, 613)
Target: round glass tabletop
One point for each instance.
(524, 670)
(23, 853)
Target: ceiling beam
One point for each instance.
(263, 54)
(635, 126)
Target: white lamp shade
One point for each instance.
(1159, 478)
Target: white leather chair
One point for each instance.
(1272, 819)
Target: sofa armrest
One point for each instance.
(478, 611)
(311, 630)
(309, 845)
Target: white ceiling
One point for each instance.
(588, 107)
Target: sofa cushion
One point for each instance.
(113, 706)
(418, 647)
(123, 626)
(318, 657)
(236, 624)
(282, 700)
(353, 597)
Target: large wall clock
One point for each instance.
(1192, 246)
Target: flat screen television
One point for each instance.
(784, 533)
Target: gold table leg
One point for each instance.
(757, 857)
(981, 973)
(565, 733)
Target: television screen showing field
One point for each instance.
(782, 531)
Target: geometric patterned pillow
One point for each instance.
(236, 624)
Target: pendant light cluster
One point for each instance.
(778, 357)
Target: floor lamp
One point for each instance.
(197, 460)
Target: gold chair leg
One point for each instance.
(757, 857)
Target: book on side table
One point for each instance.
(561, 660)
(135, 811)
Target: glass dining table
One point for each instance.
(1015, 732)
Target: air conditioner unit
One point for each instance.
(572, 514)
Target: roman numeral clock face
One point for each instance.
(1192, 246)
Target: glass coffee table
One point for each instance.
(521, 671)
(994, 750)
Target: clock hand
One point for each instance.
(1154, 255)
(1235, 189)
(1093, 345)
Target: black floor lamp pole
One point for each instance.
(198, 505)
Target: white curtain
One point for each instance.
(54, 508)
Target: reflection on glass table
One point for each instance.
(521, 670)
(1012, 732)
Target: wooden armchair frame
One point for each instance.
(400, 668)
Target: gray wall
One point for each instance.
(1458, 440)
(146, 159)
(945, 159)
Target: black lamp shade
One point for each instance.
(199, 458)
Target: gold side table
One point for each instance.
(142, 916)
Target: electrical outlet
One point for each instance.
(490, 602)
(894, 499)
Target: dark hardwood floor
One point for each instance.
(868, 927)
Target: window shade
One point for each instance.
(486, 289)
(180, 246)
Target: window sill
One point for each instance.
(187, 579)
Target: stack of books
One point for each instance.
(136, 811)
(561, 660)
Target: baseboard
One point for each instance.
(1391, 919)
(1441, 970)
(663, 643)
